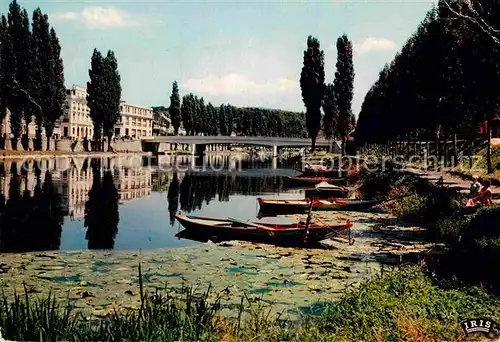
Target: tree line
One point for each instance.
(199, 118)
(32, 81)
(337, 119)
(444, 82)
(31, 73)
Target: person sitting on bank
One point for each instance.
(483, 198)
(475, 186)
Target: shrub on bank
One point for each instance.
(478, 251)
(405, 305)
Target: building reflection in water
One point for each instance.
(35, 196)
(31, 214)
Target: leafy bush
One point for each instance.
(478, 251)
(408, 208)
(453, 227)
(405, 305)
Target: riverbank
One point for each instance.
(54, 154)
(406, 304)
(454, 179)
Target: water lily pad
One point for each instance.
(260, 290)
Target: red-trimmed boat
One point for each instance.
(321, 172)
(246, 230)
(302, 205)
(326, 190)
(301, 180)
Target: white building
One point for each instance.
(135, 121)
(75, 122)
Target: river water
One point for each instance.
(87, 224)
(125, 203)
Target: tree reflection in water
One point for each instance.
(173, 197)
(101, 210)
(31, 221)
(194, 190)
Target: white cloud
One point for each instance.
(99, 17)
(371, 44)
(233, 84)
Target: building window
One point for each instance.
(73, 130)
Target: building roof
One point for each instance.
(136, 106)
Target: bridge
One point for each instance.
(198, 144)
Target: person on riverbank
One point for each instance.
(475, 186)
(483, 197)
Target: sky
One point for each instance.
(244, 53)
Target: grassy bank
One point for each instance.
(480, 166)
(473, 238)
(403, 304)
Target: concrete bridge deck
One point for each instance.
(236, 140)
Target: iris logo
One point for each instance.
(477, 325)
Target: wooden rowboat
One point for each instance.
(326, 190)
(255, 231)
(332, 173)
(302, 205)
(312, 180)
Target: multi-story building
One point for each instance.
(161, 123)
(75, 122)
(135, 121)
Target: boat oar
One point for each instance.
(247, 223)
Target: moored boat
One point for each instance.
(246, 230)
(302, 205)
(326, 190)
(323, 172)
(312, 180)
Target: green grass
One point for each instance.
(480, 166)
(406, 305)
(402, 304)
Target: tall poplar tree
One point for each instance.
(111, 106)
(187, 112)
(56, 91)
(312, 85)
(343, 88)
(222, 120)
(175, 108)
(19, 64)
(95, 92)
(39, 38)
(330, 111)
(4, 42)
